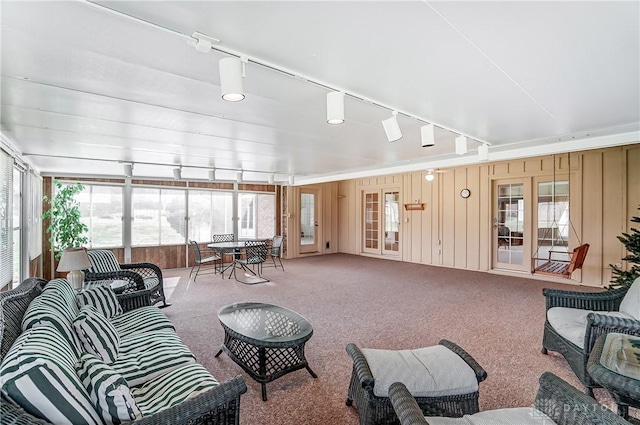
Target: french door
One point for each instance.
(381, 221)
(510, 225)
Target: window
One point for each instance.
(101, 210)
(158, 217)
(257, 215)
(17, 224)
(553, 216)
(210, 213)
(6, 192)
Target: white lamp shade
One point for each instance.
(429, 176)
(231, 82)
(392, 129)
(461, 145)
(335, 107)
(483, 152)
(74, 260)
(427, 135)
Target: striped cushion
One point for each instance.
(38, 374)
(142, 342)
(97, 335)
(141, 320)
(46, 308)
(151, 282)
(148, 361)
(108, 390)
(63, 286)
(173, 388)
(103, 299)
(102, 260)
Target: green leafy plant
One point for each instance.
(631, 241)
(66, 228)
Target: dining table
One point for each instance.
(226, 248)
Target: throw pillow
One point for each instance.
(108, 390)
(97, 335)
(103, 299)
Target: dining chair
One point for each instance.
(200, 262)
(255, 254)
(276, 251)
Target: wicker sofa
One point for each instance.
(48, 374)
(556, 402)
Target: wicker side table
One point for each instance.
(624, 389)
(265, 340)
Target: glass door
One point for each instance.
(308, 221)
(371, 222)
(509, 223)
(391, 222)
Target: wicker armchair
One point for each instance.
(597, 324)
(145, 286)
(219, 405)
(564, 404)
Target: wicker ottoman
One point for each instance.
(443, 379)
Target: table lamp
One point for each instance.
(74, 260)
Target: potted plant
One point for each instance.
(66, 228)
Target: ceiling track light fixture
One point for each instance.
(271, 178)
(292, 179)
(177, 173)
(483, 152)
(232, 73)
(128, 170)
(427, 135)
(212, 174)
(335, 107)
(202, 43)
(461, 145)
(239, 177)
(392, 128)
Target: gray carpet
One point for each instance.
(375, 304)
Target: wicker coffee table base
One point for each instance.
(265, 361)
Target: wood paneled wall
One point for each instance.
(455, 232)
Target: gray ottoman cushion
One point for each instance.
(426, 372)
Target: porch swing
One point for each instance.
(559, 263)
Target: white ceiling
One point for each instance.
(85, 86)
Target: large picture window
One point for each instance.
(158, 217)
(101, 210)
(257, 215)
(210, 213)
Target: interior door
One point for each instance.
(391, 223)
(371, 222)
(309, 240)
(511, 247)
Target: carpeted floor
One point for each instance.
(375, 304)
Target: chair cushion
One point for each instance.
(173, 388)
(103, 299)
(621, 354)
(108, 390)
(570, 323)
(141, 320)
(427, 372)
(97, 335)
(151, 282)
(631, 302)
(38, 373)
(102, 260)
(510, 416)
(143, 359)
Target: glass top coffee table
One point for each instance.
(266, 340)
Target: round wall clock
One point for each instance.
(465, 193)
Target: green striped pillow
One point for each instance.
(38, 374)
(141, 320)
(97, 335)
(103, 299)
(108, 390)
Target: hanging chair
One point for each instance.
(559, 263)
